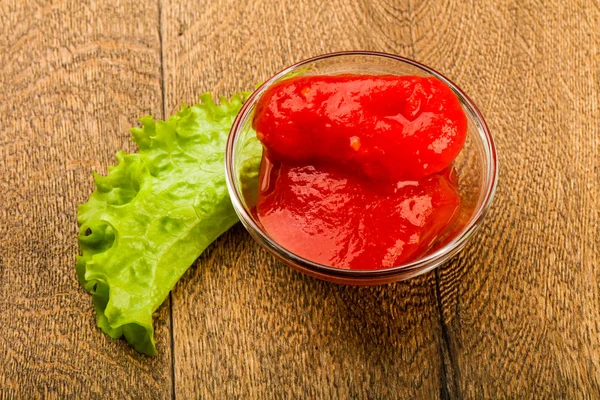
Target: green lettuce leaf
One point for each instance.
(153, 214)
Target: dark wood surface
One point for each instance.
(516, 314)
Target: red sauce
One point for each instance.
(357, 169)
(382, 126)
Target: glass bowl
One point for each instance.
(475, 165)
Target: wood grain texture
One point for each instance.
(515, 315)
(74, 77)
(248, 326)
(521, 304)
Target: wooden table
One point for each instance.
(517, 314)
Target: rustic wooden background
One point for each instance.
(517, 314)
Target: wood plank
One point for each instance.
(244, 324)
(74, 77)
(521, 304)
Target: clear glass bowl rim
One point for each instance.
(425, 263)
